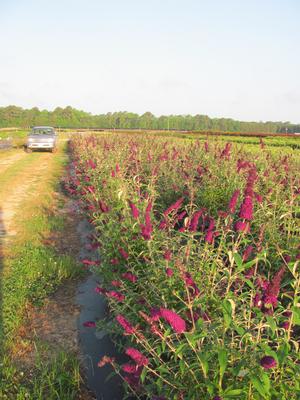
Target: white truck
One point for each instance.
(41, 137)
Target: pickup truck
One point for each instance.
(41, 137)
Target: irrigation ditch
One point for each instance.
(95, 344)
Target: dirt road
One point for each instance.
(20, 176)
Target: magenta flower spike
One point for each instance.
(173, 319)
(130, 277)
(123, 253)
(268, 362)
(233, 201)
(174, 206)
(128, 328)
(134, 210)
(246, 210)
(137, 356)
(271, 293)
(195, 220)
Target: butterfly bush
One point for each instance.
(199, 249)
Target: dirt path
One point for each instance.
(54, 324)
(20, 187)
(7, 160)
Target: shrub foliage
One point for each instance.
(199, 246)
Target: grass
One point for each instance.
(59, 379)
(31, 271)
(32, 276)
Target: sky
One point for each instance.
(224, 58)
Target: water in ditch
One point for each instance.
(95, 344)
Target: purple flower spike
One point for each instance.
(268, 362)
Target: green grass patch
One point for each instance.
(58, 379)
(31, 277)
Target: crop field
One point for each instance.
(199, 255)
(194, 244)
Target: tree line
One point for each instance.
(69, 117)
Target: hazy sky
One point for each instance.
(233, 58)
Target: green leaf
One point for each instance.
(223, 359)
(240, 330)
(210, 388)
(162, 369)
(238, 260)
(232, 393)
(227, 312)
(259, 386)
(143, 374)
(271, 323)
(293, 269)
(266, 381)
(246, 266)
(167, 332)
(296, 315)
(283, 352)
(179, 349)
(204, 363)
(182, 367)
(199, 324)
(249, 283)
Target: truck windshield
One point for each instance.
(42, 131)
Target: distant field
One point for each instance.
(272, 140)
(293, 141)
